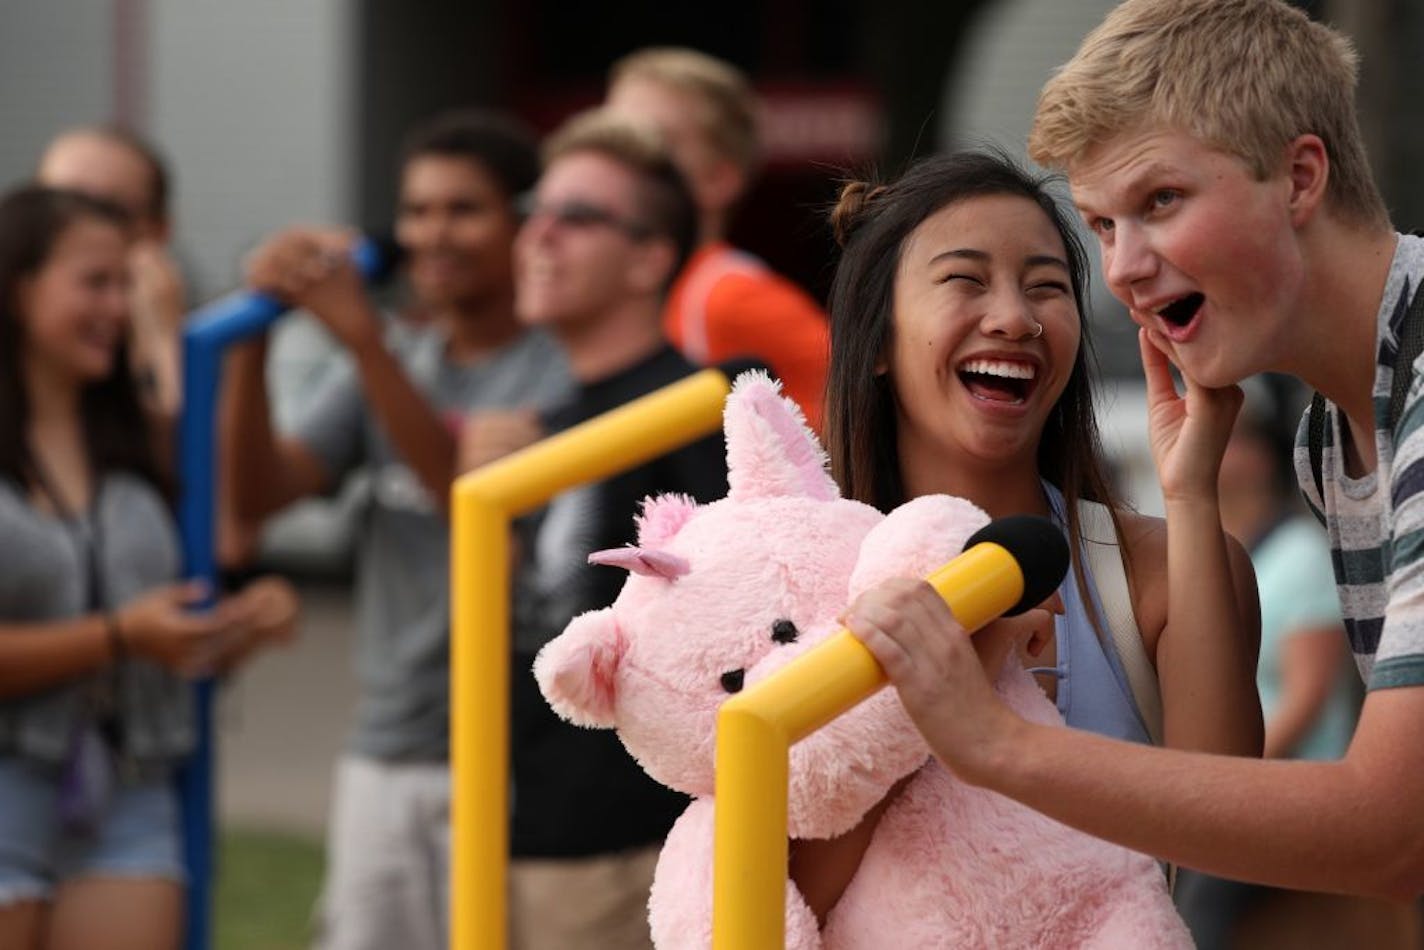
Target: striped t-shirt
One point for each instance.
(1376, 523)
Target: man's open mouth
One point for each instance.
(1006, 381)
(1180, 312)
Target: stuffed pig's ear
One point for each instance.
(577, 670)
(662, 518)
(915, 539)
(770, 451)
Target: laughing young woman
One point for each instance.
(960, 365)
(95, 637)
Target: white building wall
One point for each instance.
(251, 101)
(56, 70)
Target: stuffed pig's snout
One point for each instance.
(577, 670)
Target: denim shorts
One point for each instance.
(137, 834)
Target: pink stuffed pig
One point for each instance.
(721, 596)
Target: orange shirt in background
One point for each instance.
(727, 303)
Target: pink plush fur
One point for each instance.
(950, 865)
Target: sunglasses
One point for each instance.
(581, 215)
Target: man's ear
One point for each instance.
(163, 230)
(1308, 168)
(652, 266)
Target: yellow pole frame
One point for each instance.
(755, 732)
(482, 506)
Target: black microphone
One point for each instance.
(378, 256)
(1039, 549)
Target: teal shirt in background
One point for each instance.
(1297, 588)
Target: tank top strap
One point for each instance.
(1093, 689)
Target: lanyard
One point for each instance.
(85, 530)
(88, 540)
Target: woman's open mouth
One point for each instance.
(1010, 382)
(1180, 314)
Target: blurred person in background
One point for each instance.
(608, 228)
(116, 164)
(725, 302)
(394, 408)
(1309, 695)
(96, 632)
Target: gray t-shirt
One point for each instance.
(45, 576)
(402, 585)
(1376, 522)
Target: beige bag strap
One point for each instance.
(1104, 556)
(1103, 551)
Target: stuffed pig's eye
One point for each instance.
(732, 682)
(784, 631)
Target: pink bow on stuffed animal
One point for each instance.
(721, 596)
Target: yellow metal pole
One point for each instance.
(753, 803)
(483, 502)
(755, 731)
(479, 728)
(608, 444)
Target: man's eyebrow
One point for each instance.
(1136, 181)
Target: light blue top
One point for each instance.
(1298, 595)
(1093, 690)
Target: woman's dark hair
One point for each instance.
(116, 431)
(872, 223)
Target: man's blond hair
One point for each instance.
(1244, 76)
(600, 130)
(729, 118)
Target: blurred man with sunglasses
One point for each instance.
(607, 229)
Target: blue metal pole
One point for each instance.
(209, 332)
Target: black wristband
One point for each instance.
(233, 579)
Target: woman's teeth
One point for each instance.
(1005, 381)
(1005, 368)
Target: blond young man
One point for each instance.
(609, 224)
(726, 302)
(1213, 148)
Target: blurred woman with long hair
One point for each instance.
(96, 633)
